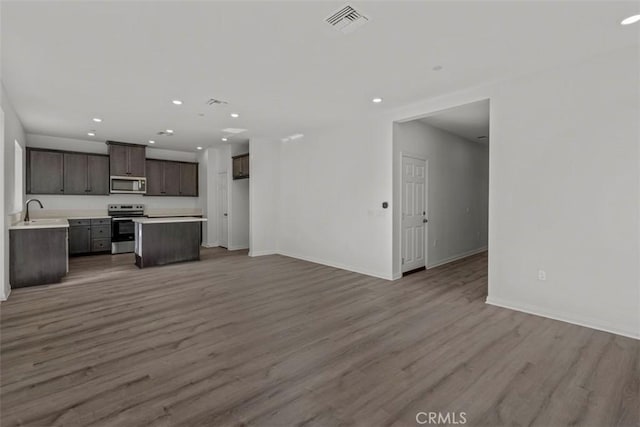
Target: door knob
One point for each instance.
(225, 214)
(425, 220)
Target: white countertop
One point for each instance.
(166, 220)
(172, 216)
(90, 217)
(41, 223)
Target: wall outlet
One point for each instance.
(542, 275)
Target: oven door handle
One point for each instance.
(125, 219)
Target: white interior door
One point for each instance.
(414, 210)
(224, 210)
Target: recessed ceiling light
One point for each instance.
(630, 20)
(376, 100)
(169, 131)
(437, 68)
(235, 115)
(225, 139)
(97, 120)
(233, 130)
(177, 102)
(296, 136)
(199, 148)
(151, 141)
(91, 133)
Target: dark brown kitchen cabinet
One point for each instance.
(62, 172)
(79, 239)
(98, 169)
(75, 173)
(155, 177)
(37, 256)
(171, 179)
(86, 174)
(89, 236)
(241, 166)
(45, 172)
(168, 178)
(126, 159)
(188, 179)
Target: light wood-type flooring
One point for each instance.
(275, 341)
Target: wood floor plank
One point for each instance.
(274, 341)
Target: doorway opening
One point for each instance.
(442, 186)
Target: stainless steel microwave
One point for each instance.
(128, 184)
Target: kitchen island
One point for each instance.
(161, 241)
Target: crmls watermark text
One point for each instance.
(451, 418)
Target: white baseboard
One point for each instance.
(262, 253)
(237, 248)
(337, 265)
(457, 257)
(563, 317)
(210, 245)
(6, 297)
(396, 276)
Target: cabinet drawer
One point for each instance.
(100, 232)
(100, 245)
(101, 221)
(77, 222)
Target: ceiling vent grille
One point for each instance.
(163, 133)
(214, 101)
(347, 20)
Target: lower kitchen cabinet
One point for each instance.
(79, 239)
(38, 256)
(88, 236)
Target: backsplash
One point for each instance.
(101, 202)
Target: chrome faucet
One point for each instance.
(26, 215)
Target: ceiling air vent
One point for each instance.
(214, 101)
(163, 133)
(347, 20)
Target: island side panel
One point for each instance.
(38, 257)
(167, 243)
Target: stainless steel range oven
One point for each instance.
(122, 226)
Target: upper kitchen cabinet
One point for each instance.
(155, 178)
(241, 166)
(86, 174)
(45, 172)
(126, 159)
(168, 178)
(188, 179)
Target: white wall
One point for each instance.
(101, 202)
(264, 196)
(238, 205)
(4, 257)
(13, 131)
(458, 193)
(203, 186)
(564, 190)
(565, 193)
(331, 186)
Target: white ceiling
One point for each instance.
(468, 121)
(278, 64)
